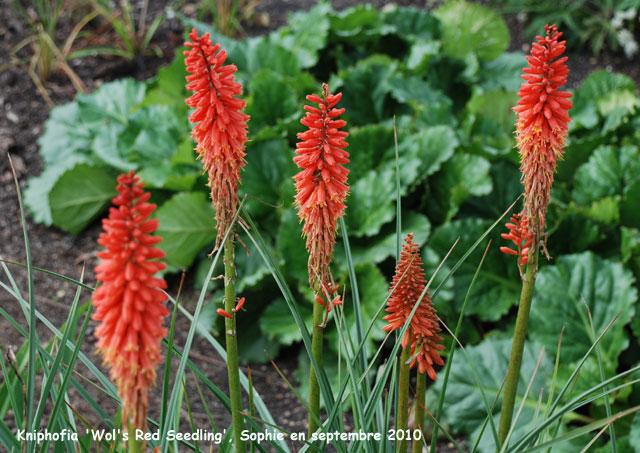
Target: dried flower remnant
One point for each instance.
(129, 300)
(220, 128)
(541, 128)
(408, 284)
(321, 185)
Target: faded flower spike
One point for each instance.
(321, 185)
(220, 128)
(541, 128)
(407, 286)
(129, 300)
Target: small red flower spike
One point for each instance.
(220, 128)
(129, 300)
(222, 312)
(407, 286)
(521, 238)
(321, 185)
(541, 128)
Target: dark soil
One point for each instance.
(23, 112)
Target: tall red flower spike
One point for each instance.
(407, 286)
(521, 238)
(321, 185)
(221, 130)
(541, 128)
(129, 300)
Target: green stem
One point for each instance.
(517, 347)
(419, 408)
(403, 398)
(232, 345)
(134, 446)
(316, 350)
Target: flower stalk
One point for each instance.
(231, 338)
(541, 132)
(317, 337)
(419, 409)
(403, 398)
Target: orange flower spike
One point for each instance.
(407, 286)
(543, 121)
(321, 185)
(129, 300)
(220, 128)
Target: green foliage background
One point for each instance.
(447, 80)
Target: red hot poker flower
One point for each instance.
(220, 128)
(321, 185)
(129, 301)
(407, 286)
(543, 121)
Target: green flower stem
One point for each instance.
(421, 390)
(133, 445)
(403, 398)
(232, 345)
(316, 350)
(517, 347)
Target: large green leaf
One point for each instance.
(606, 173)
(561, 291)
(277, 323)
(422, 154)
(79, 195)
(461, 177)
(634, 434)
(463, 404)
(291, 245)
(269, 169)
(306, 33)
(186, 225)
(497, 287)
(272, 99)
(63, 138)
(413, 24)
(113, 101)
(470, 28)
(365, 99)
(370, 203)
(358, 25)
(366, 145)
(36, 195)
(383, 245)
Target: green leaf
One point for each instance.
(272, 99)
(269, 170)
(366, 145)
(62, 137)
(168, 87)
(634, 434)
(306, 33)
(262, 53)
(276, 322)
(383, 245)
(413, 24)
(497, 287)
(606, 173)
(422, 154)
(358, 25)
(607, 288)
(79, 195)
(463, 405)
(370, 203)
(291, 245)
(112, 101)
(365, 99)
(250, 267)
(629, 213)
(503, 72)
(36, 195)
(470, 28)
(461, 177)
(186, 225)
